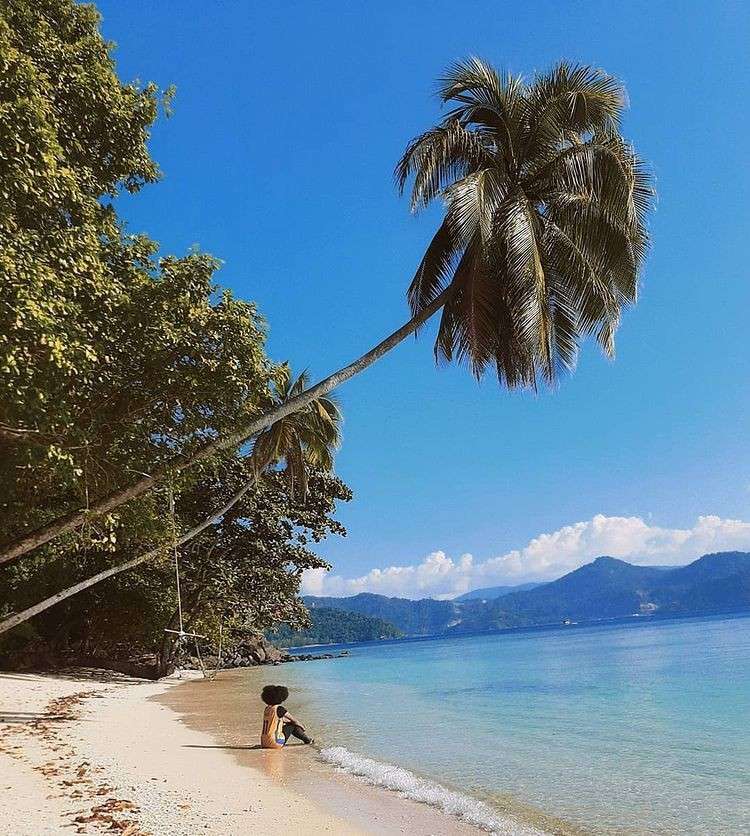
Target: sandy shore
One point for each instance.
(91, 752)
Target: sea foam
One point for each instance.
(412, 786)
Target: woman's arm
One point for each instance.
(289, 719)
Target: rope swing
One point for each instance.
(181, 634)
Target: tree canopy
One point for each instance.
(243, 574)
(115, 358)
(544, 231)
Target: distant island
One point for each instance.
(604, 589)
(333, 625)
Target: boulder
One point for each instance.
(252, 650)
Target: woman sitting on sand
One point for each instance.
(278, 723)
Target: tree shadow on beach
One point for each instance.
(99, 675)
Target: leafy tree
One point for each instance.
(71, 136)
(542, 241)
(112, 360)
(247, 572)
(243, 574)
(180, 367)
(307, 439)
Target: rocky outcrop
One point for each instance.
(309, 657)
(254, 650)
(251, 651)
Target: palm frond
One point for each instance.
(571, 100)
(305, 438)
(435, 270)
(593, 299)
(438, 158)
(564, 328)
(487, 100)
(299, 385)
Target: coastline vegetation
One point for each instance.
(329, 626)
(133, 384)
(114, 360)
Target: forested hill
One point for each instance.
(424, 617)
(332, 626)
(606, 588)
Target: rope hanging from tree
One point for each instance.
(181, 634)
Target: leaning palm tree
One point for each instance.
(541, 244)
(308, 438)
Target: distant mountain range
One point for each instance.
(424, 617)
(607, 588)
(488, 593)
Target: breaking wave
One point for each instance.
(406, 783)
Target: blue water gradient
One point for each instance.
(641, 727)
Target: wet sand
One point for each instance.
(230, 711)
(212, 708)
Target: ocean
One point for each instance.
(622, 728)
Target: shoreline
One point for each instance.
(89, 751)
(372, 794)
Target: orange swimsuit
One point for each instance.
(272, 736)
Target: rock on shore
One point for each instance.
(256, 650)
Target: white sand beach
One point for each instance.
(89, 752)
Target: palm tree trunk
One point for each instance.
(25, 615)
(74, 520)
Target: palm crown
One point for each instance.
(304, 438)
(544, 230)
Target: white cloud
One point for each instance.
(546, 557)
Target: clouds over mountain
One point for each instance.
(546, 557)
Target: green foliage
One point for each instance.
(70, 135)
(241, 574)
(111, 360)
(423, 617)
(248, 569)
(334, 627)
(114, 360)
(307, 437)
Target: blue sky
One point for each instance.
(288, 120)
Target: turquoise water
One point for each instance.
(622, 728)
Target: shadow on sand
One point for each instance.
(256, 747)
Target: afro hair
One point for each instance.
(274, 694)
